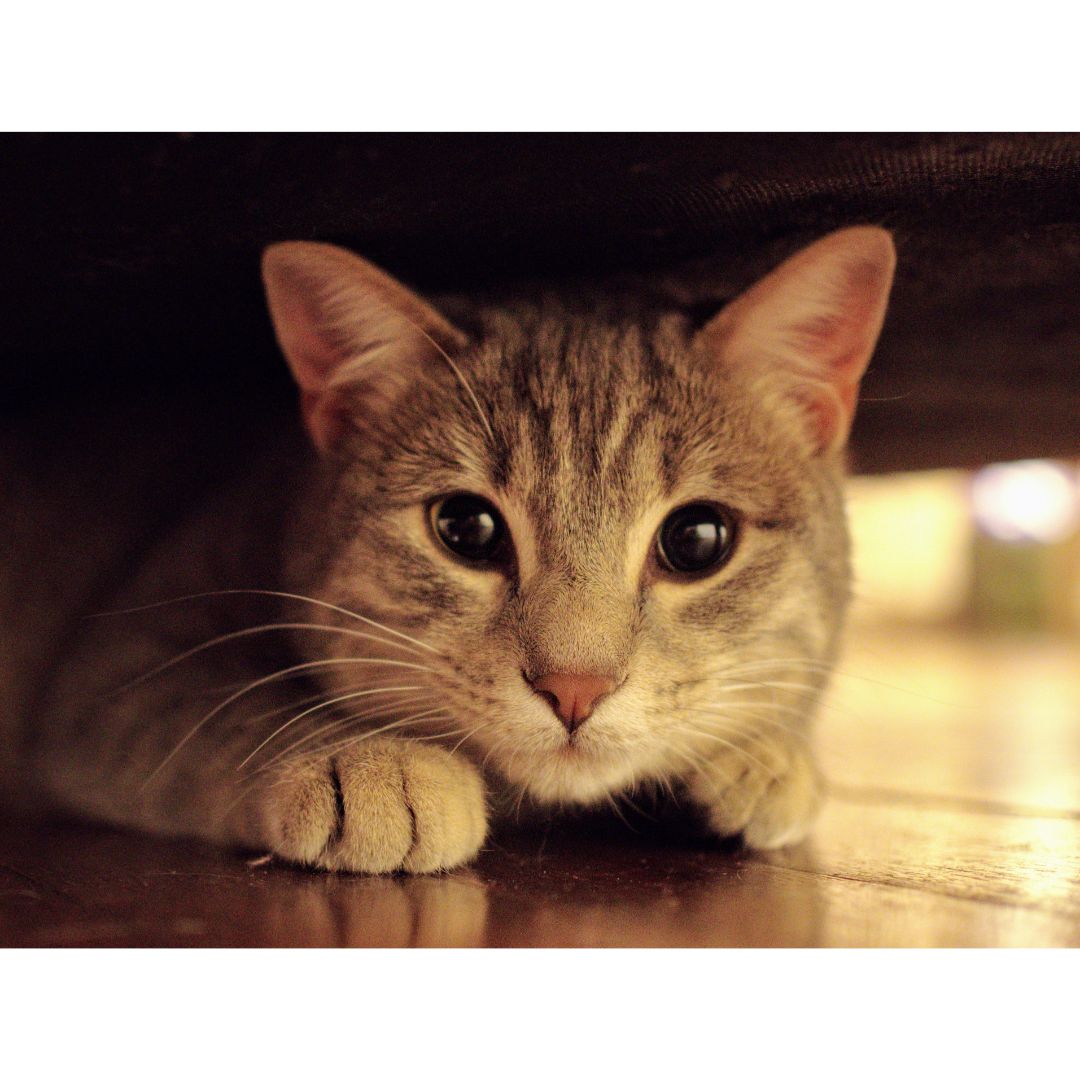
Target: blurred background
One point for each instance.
(961, 674)
(990, 551)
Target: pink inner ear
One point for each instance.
(812, 325)
(324, 418)
(832, 406)
(828, 416)
(313, 359)
(331, 311)
(848, 394)
(311, 356)
(841, 344)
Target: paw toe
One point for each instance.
(768, 808)
(380, 807)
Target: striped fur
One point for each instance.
(585, 420)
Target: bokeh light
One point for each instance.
(1026, 502)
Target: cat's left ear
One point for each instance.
(355, 339)
(807, 330)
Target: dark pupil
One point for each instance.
(469, 526)
(694, 538)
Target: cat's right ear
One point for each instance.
(806, 331)
(352, 334)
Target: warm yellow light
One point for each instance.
(911, 536)
(1026, 501)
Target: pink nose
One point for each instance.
(573, 697)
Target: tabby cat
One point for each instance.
(549, 551)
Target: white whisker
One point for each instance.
(721, 714)
(738, 749)
(381, 710)
(618, 813)
(267, 592)
(309, 665)
(458, 373)
(469, 735)
(317, 708)
(353, 740)
(249, 632)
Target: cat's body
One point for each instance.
(567, 662)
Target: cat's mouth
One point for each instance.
(578, 770)
(575, 749)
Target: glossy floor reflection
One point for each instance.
(955, 821)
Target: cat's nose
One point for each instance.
(573, 697)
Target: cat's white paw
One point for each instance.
(772, 800)
(381, 806)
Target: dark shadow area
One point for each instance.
(135, 258)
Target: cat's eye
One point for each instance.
(470, 527)
(696, 538)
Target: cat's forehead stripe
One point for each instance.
(578, 405)
(585, 413)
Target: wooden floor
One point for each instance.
(954, 821)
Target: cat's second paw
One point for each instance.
(381, 806)
(769, 793)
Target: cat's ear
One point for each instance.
(351, 333)
(806, 331)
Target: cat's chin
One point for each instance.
(570, 776)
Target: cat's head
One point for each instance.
(610, 542)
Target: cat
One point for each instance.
(552, 550)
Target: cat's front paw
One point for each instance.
(381, 806)
(767, 792)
